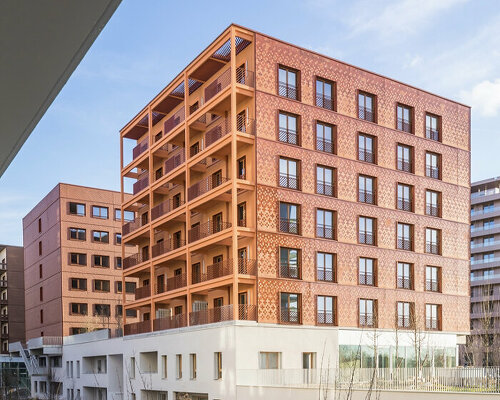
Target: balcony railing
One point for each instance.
(219, 130)
(431, 285)
(175, 321)
(165, 207)
(325, 231)
(366, 319)
(324, 188)
(288, 136)
(172, 283)
(366, 114)
(404, 244)
(141, 184)
(133, 225)
(204, 186)
(245, 77)
(366, 196)
(404, 125)
(207, 229)
(325, 318)
(432, 134)
(403, 282)
(245, 125)
(247, 266)
(223, 81)
(174, 121)
(289, 181)
(166, 246)
(211, 315)
(404, 204)
(3, 283)
(366, 155)
(432, 172)
(404, 165)
(290, 91)
(289, 270)
(140, 148)
(432, 248)
(324, 101)
(290, 316)
(142, 292)
(366, 238)
(366, 279)
(289, 226)
(325, 275)
(324, 145)
(487, 192)
(404, 321)
(432, 323)
(134, 259)
(137, 327)
(174, 161)
(431, 209)
(214, 271)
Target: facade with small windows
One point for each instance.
(73, 268)
(280, 186)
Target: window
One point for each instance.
(432, 279)
(404, 314)
(128, 216)
(118, 214)
(405, 236)
(325, 140)
(487, 241)
(40, 271)
(432, 203)
(178, 366)
(192, 366)
(405, 198)
(367, 312)
(78, 284)
(366, 107)
(118, 238)
(325, 267)
(366, 271)
(131, 286)
(118, 262)
(269, 360)
(432, 317)
(77, 259)
(77, 209)
(77, 234)
(242, 168)
(366, 189)
(100, 212)
(325, 180)
(102, 310)
(405, 158)
(164, 367)
(41, 293)
(325, 220)
(404, 118)
(217, 365)
(101, 285)
(100, 236)
(289, 218)
(432, 127)
(290, 308)
(39, 225)
(432, 165)
(288, 128)
(325, 93)
(40, 248)
(132, 367)
(242, 214)
(118, 287)
(405, 276)
(326, 311)
(131, 313)
(289, 263)
(41, 316)
(288, 82)
(101, 261)
(367, 230)
(119, 310)
(488, 223)
(366, 148)
(289, 175)
(78, 308)
(432, 241)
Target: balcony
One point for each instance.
(141, 184)
(214, 271)
(219, 84)
(432, 134)
(136, 328)
(245, 77)
(205, 186)
(165, 207)
(132, 226)
(225, 313)
(165, 247)
(366, 114)
(142, 292)
(245, 125)
(173, 121)
(140, 148)
(173, 283)
(134, 259)
(174, 162)
(219, 130)
(404, 125)
(175, 321)
(207, 229)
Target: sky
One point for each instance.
(448, 47)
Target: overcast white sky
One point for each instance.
(449, 47)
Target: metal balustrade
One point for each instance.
(432, 210)
(366, 319)
(432, 172)
(366, 238)
(174, 161)
(432, 248)
(247, 266)
(140, 148)
(289, 91)
(366, 279)
(205, 185)
(142, 292)
(432, 323)
(431, 285)
(131, 226)
(366, 155)
(174, 121)
(172, 322)
(207, 229)
(366, 114)
(245, 77)
(325, 275)
(404, 165)
(404, 244)
(325, 231)
(134, 259)
(218, 131)
(404, 321)
(289, 226)
(137, 328)
(289, 181)
(366, 196)
(165, 207)
(214, 271)
(324, 101)
(324, 188)
(289, 136)
(167, 246)
(289, 270)
(404, 125)
(245, 125)
(325, 318)
(404, 204)
(324, 145)
(404, 283)
(142, 183)
(223, 81)
(432, 134)
(290, 316)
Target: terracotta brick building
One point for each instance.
(73, 261)
(274, 184)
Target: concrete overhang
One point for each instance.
(41, 44)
